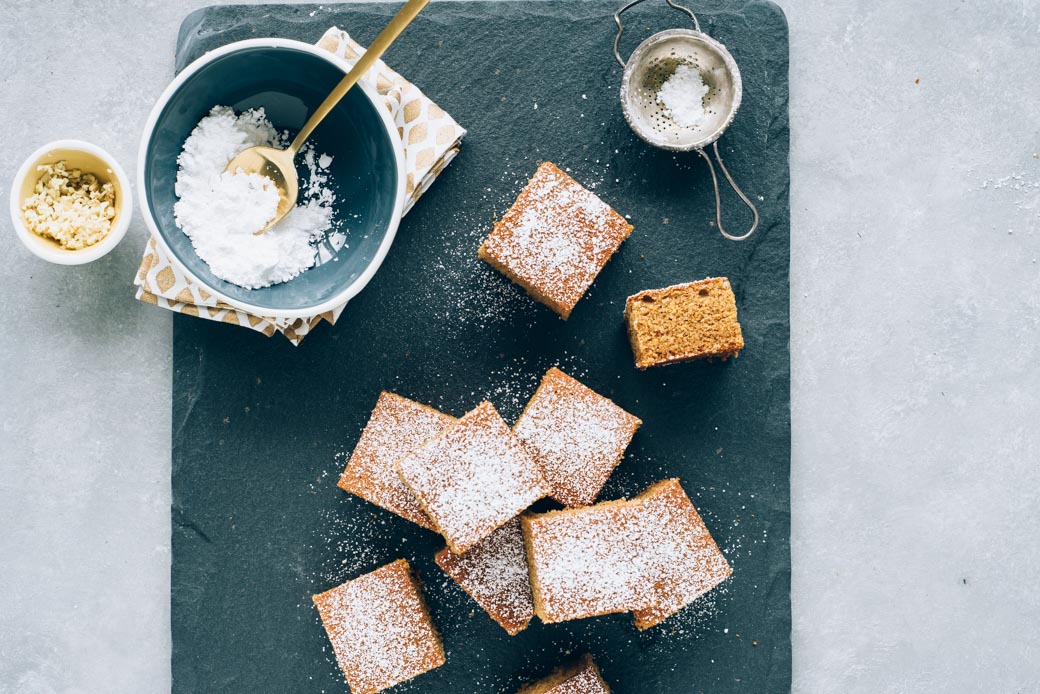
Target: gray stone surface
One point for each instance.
(915, 330)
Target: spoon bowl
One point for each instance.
(277, 164)
(367, 174)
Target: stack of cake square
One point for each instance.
(471, 480)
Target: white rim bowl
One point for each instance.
(92, 159)
(351, 290)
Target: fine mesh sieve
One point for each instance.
(651, 64)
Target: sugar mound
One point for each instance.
(682, 95)
(220, 211)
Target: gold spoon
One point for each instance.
(277, 164)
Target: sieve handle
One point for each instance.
(633, 3)
(718, 198)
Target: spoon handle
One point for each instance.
(402, 19)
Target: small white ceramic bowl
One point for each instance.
(80, 155)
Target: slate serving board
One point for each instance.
(261, 429)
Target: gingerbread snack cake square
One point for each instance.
(494, 573)
(684, 322)
(397, 427)
(576, 436)
(555, 239)
(651, 555)
(472, 477)
(582, 677)
(584, 562)
(380, 629)
(684, 562)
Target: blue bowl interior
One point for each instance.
(289, 84)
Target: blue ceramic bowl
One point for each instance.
(289, 79)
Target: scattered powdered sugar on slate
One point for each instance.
(512, 383)
(480, 297)
(397, 427)
(494, 573)
(576, 436)
(379, 629)
(350, 540)
(473, 477)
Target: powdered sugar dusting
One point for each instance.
(472, 478)
(379, 629)
(580, 678)
(494, 573)
(576, 436)
(397, 427)
(585, 682)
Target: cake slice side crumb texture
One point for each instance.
(472, 478)
(684, 322)
(494, 573)
(582, 677)
(396, 427)
(576, 436)
(380, 629)
(555, 239)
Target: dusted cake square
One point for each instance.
(472, 477)
(576, 436)
(684, 322)
(494, 573)
(583, 677)
(584, 562)
(651, 555)
(555, 239)
(684, 562)
(397, 427)
(380, 629)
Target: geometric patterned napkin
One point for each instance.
(431, 139)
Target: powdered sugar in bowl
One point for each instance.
(362, 171)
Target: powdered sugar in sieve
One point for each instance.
(651, 65)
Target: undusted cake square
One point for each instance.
(397, 427)
(576, 436)
(472, 477)
(684, 322)
(582, 677)
(555, 239)
(651, 555)
(684, 562)
(584, 561)
(494, 573)
(380, 629)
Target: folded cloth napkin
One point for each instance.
(431, 139)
